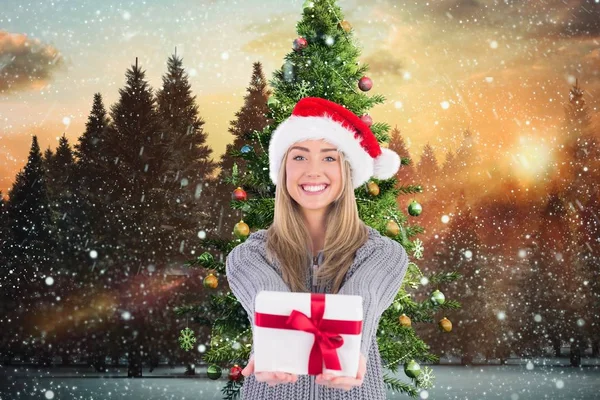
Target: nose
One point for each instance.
(314, 167)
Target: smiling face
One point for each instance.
(313, 174)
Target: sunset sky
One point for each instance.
(501, 68)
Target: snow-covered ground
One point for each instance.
(547, 378)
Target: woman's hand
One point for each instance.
(271, 378)
(344, 382)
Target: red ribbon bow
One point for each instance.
(327, 332)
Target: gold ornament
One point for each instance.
(211, 282)
(373, 188)
(445, 324)
(241, 229)
(345, 25)
(405, 320)
(392, 229)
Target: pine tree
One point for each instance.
(95, 174)
(136, 140)
(250, 118)
(189, 165)
(327, 67)
(555, 269)
(588, 280)
(427, 169)
(397, 144)
(578, 169)
(135, 145)
(463, 253)
(92, 162)
(60, 171)
(29, 213)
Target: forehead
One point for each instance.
(312, 145)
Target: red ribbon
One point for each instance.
(327, 332)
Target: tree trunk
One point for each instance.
(595, 348)
(556, 346)
(134, 366)
(467, 359)
(575, 355)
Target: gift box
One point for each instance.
(307, 333)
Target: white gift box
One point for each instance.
(287, 336)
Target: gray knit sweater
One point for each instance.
(376, 274)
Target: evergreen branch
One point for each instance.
(398, 386)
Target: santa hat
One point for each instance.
(314, 118)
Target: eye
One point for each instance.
(332, 159)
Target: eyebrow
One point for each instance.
(305, 149)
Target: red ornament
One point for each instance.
(239, 194)
(235, 373)
(365, 83)
(300, 44)
(366, 118)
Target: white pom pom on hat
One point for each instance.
(314, 118)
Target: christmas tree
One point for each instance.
(323, 63)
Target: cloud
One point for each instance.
(26, 63)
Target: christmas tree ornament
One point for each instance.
(245, 148)
(373, 188)
(391, 228)
(412, 369)
(214, 372)
(308, 5)
(345, 25)
(239, 194)
(405, 321)
(272, 101)
(187, 339)
(300, 44)
(445, 325)
(365, 84)
(414, 208)
(211, 282)
(418, 249)
(235, 373)
(438, 297)
(425, 378)
(366, 118)
(241, 230)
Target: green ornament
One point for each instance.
(272, 101)
(412, 369)
(214, 372)
(438, 297)
(415, 208)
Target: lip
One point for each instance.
(313, 193)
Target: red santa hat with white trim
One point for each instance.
(314, 118)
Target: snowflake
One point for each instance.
(303, 88)
(418, 252)
(187, 339)
(425, 378)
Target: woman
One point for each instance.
(317, 242)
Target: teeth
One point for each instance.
(314, 188)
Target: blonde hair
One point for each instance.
(289, 241)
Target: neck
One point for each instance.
(315, 222)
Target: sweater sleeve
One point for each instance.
(377, 280)
(248, 272)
